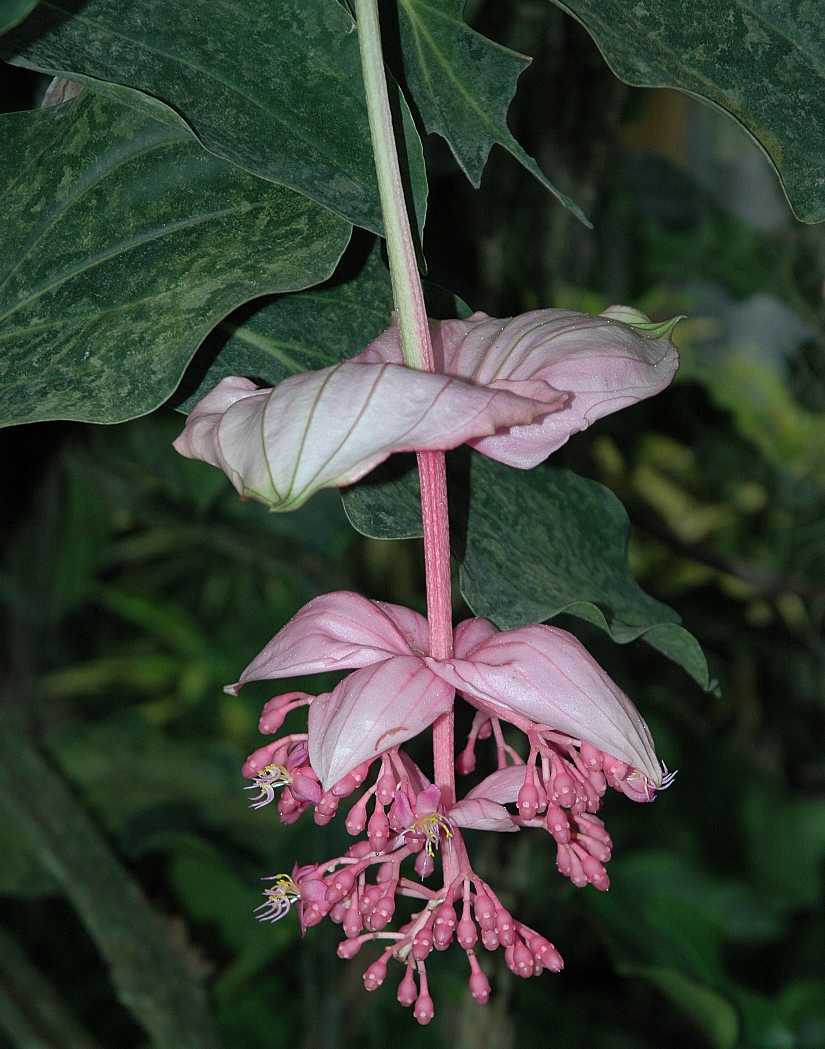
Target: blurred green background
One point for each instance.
(135, 584)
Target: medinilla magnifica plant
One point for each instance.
(515, 390)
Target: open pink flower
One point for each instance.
(604, 363)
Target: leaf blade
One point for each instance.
(126, 243)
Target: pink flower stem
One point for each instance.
(416, 347)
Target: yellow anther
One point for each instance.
(284, 888)
(432, 826)
(277, 772)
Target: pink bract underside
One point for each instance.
(604, 365)
(538, 673)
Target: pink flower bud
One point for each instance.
(312, 914)
(444, 926)
(424, 1010)
(375, 975)
(485, 911)
(274, 713)
(466, 932)
(370, 895)
(348, 949)
(595, 873)
(592, 757)
(287, 803)
(422, 943)
(385, 791)
(360, 772)
(546, 955)
(558, 824)
(337, 912)
(325, 809)
(614, 768)
(564, 790)
(344, 787)
(378, 829)
(407, 991)
(480, 987)
(465, 763)
(339, 885)
(489, 937)
(594, 847)
(359, 849)
(382, 912)
(522, 961)
(305, 786)
(401, 813)
(386, 872)
(357, 819)
(352, 923)
(505, 927)
(528, 800)
(598, 782)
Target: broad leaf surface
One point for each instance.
(13, 11)
(535, 544)
(298, 333)
(125, 243)
(762, 62)
(275, 88)
(463, 84)
(305, 331)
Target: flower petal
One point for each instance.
(481, 814)
(546, 675)
(328, 428)
(337, 631)
(502, 786)
(372, 710)
(607, 362)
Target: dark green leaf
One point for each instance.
(546, 541)
(308, 330)
(538, 543)
(463, 84)
(275, 88)
(125, 243)
(761, 62)
(14, 11)
(712, 1013)
(297, 333)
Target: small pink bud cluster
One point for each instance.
(483, 921)
(560, 789)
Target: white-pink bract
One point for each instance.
(604, 362)
(538, 673)
(546, 676)
(329, 428)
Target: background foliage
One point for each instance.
(135, 584)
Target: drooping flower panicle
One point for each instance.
(583, 735)
(515, 390)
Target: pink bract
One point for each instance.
(330, 427)
(604, 362)
(545, 675)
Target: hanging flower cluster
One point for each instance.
(515, 390)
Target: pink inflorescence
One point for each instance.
(404, 820)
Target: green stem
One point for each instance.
(416, 347)
(406, 282)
